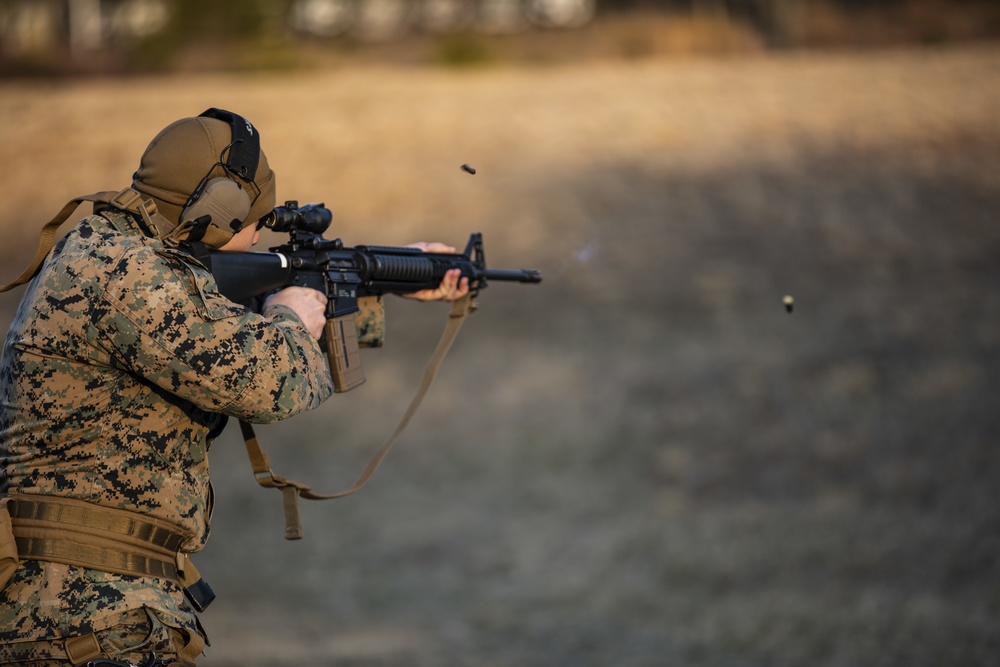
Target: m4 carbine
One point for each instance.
(344, 274)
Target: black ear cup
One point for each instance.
(224, 201)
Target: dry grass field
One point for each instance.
(644, 461)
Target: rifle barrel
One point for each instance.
(514, 275)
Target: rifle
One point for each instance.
(344, 275)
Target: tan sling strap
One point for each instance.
(74, 532)
(292, 490)
(126, 200)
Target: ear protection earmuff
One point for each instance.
(223, 199)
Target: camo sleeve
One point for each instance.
(370, 321)
(162, 319)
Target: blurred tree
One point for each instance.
(84, 24)
(220, 19)
(779, 21)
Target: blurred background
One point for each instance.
(645, 460)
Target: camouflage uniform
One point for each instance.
(119, 369)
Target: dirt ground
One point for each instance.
(645, 460)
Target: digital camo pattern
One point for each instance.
(119, 369)
(370, 321)
(107, 605)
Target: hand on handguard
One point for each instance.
(453, 286)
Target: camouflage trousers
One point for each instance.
(135, 640)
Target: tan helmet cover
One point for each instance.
(181, 155)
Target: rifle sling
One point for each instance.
(125, 200)
(292, 490)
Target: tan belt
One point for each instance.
(74, 532)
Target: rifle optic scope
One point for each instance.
(312, 218)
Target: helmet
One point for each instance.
(207, 176)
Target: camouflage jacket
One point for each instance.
(119, 368)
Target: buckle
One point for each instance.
(125, 200)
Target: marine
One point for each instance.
(121, 366)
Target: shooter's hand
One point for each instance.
(453, 286)
(308, 304)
